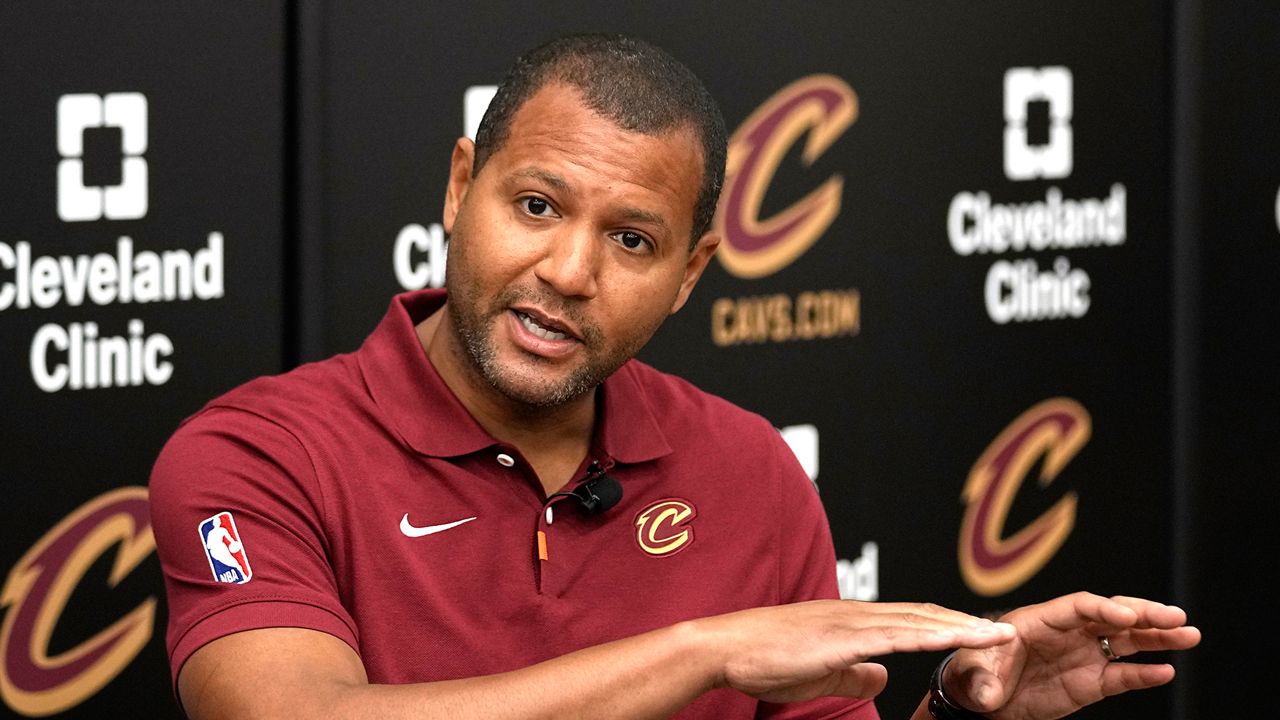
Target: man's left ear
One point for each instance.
(698, 259)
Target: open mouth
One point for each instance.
(546, 332)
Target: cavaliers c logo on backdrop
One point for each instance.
(992, 562)
(662, 528)
(822, 106)
(32, 681)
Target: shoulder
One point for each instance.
(312, 394)
(709, 433)
(264, 428)
(675, 400)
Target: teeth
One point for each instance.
(538, 330)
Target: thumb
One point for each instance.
(863, 680)
(974, 687)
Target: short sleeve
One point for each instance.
(806, 571)
(241, 533)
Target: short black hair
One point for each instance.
(634, 84)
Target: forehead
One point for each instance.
(554, 132)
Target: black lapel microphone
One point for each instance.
(598, 493)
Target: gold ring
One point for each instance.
(1107, 652)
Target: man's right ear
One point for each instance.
(460, 164)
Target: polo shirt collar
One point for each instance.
(423, 410)
(628, 429)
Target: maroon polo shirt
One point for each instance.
(365, 502)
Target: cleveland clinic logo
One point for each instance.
(1037, 115)
(102, 174)
(115, 193)
(1028, 284)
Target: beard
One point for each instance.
(475, 319)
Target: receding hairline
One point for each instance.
(654, 93)
(687, 127)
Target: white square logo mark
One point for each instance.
(125, 201)
(1024, 160)
(475, 101)
(803, 441)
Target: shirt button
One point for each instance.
(506, 460)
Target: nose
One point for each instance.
(571, 262)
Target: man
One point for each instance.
(426, 517)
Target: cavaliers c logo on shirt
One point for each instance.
(663, 528)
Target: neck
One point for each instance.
(554, 439)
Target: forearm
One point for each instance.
(652, 675)
(648, 676)
(780, 654)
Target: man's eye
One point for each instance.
(536, 206)
(632, 240)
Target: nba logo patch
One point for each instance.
(227, 558)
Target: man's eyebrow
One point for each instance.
(555, 181)
(644, 216)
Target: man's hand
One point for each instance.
(1056, 665)
(796, 652)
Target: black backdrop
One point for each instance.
(1055, 219)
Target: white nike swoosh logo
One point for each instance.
(412, 531)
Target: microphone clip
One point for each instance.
(598, 493)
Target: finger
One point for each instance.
(975, 686)
(1138, 640)
(908, 627)
(1122, 677)
(1078, 610)
(1148, 615)
(1153, 614)
(898, 634)
(924, 611)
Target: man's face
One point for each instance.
(569, 248)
